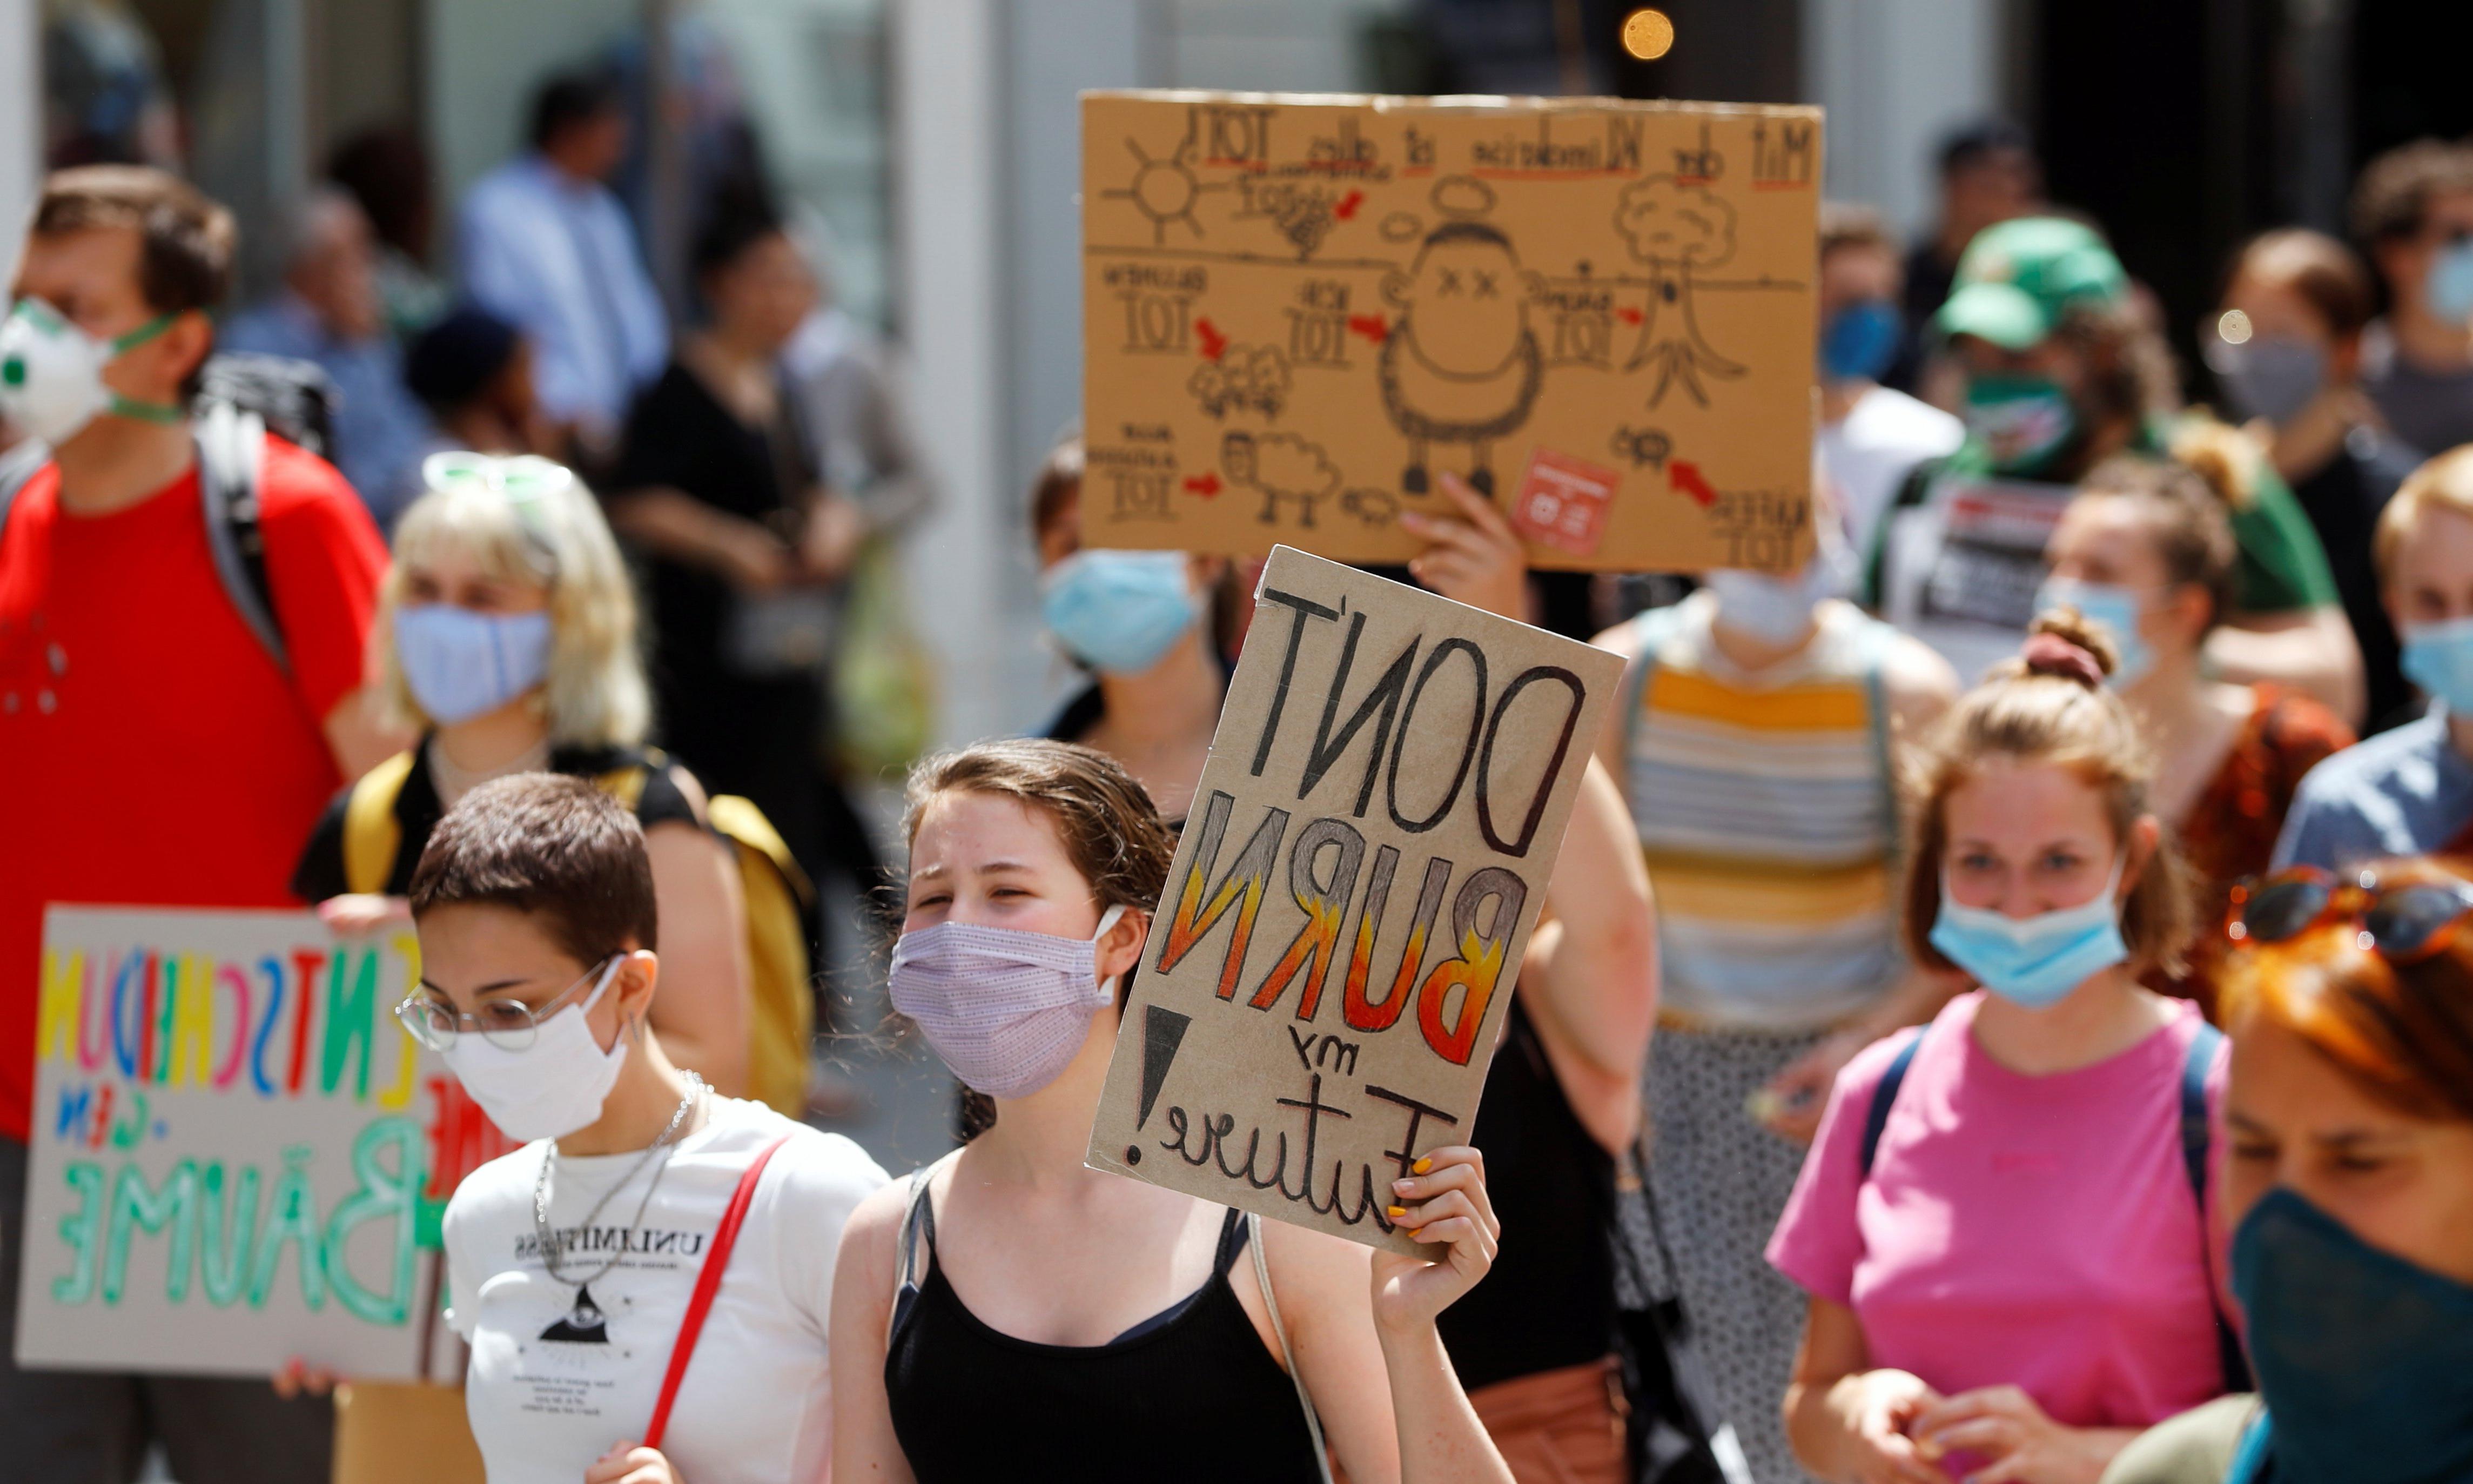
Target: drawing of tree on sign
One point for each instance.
(1677, 230)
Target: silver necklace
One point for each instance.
(550, 1245)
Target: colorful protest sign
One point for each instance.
(1328, 972)
(1299, 312)
(239, 1156)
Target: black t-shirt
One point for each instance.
(2343, 501)
(679, 434)
(665, 800)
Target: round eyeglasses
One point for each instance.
(509, 1025)
(2403, 925)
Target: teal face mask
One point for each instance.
(2024, 421)
(2438, 658)
(51, 374)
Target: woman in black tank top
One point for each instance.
(1010, 1311)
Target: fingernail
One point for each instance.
(1395, 1210)
(1403, 1187)
(1423, 1166)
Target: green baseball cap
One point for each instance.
(2017, 277)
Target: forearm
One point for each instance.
(1440, 1437)
(2315, 654)
(1821, 1424)
(672, 523)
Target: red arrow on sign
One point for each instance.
(1203, 484)
(1683, 477)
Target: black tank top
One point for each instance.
(1549, 1302)
(1189, 1393)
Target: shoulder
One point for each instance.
(500, 1190)
(301, 494)
(671, 796)
(510, 187)
(2373, 765)
(808, 1166)
(2292, 724)
(1623, 639)
(1915, 674)
(1860, 1082)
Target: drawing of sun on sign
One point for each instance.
(1677, 228)
(1460, 365)
(1165, 190)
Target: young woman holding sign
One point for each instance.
(646, 1284)
(1008, 1308)
(2003, 1226)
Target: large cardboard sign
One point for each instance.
(1298, 312)
(1328, 972)
(238, 1154)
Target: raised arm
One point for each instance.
(1589, 979)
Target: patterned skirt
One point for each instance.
(1722, 1182)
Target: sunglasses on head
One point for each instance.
(2403, 925)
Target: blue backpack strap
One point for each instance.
(2257, 1445)
(1885, 1097)
(2198, 1140)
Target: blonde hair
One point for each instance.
(2445, 482)
(552, 538)
(2049, 705)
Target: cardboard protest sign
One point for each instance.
(238, 1154)
(1299, 312)
(1328, 972)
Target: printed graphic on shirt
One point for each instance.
(593, 1344)
(583, 1323)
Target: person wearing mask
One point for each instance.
(538, 918)
(544, 245)
(151, 728)
(1760, 726)
(1009, 1283)
(2286, 348)
(507, 641)
(720, 486)
(475, 372)
(2349, 1190)
(2412, 213)
(2060, 373)
(1988, 173)
(2002, 1228)
(2144, 553)
(2408, 791)
(1872, 437)
(327, 313)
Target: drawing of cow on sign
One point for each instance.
(1461, 363)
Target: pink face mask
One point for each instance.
(1006, 1009)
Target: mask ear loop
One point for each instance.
(1108, 920)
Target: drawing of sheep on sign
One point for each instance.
(1461, 365)
(1677, 228)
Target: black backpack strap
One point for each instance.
(231, 462)
(2198, 1140)
(1876, 1117)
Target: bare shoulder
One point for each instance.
(869, 1239)
(1920, 682)
(1623, 639)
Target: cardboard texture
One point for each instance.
(239, 1155)
(1298, 311)
(1328, 972)
(387, 1433)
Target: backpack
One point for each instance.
(244, 395)
(2197, 1136)
(780, 999)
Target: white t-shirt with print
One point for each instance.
(560, 1376)
(1870, 454)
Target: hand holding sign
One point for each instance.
(1476, 558)
(1446, 1204)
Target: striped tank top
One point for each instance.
(1766, 809)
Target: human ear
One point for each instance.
(2146, 837)
(640, 970)
(1120, 948)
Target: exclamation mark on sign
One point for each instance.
(1163, 1032)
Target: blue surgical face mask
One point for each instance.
(2116, 610)
(2447, 289)
(1119, 612)
(2024, 421)
(1778, 610)
(1860, 341)
(2366, 1360)
(2033, 962)
(2438, 658)
(461, 664)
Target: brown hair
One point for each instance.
(1057, 485)
(2048, 705)
(1111, 829)
(2392, 199)
(2445, 482)
(550, 847)
(2327, 275)
(2402, 1033)
(2129, 369)
(187, 239)
(2185, 520)
(1846, 223)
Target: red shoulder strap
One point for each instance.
(707, 1282)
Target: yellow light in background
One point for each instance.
(1648, 35)
(2233, 326)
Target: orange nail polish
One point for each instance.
(1395, 1210)
(1423, 1166)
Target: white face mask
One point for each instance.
(1007, 1009)
(51, 374)
(1778, 610)
(551, 1087)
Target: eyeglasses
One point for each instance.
(2403, 925)
(509, 1025)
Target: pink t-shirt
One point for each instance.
(2038, 1231)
